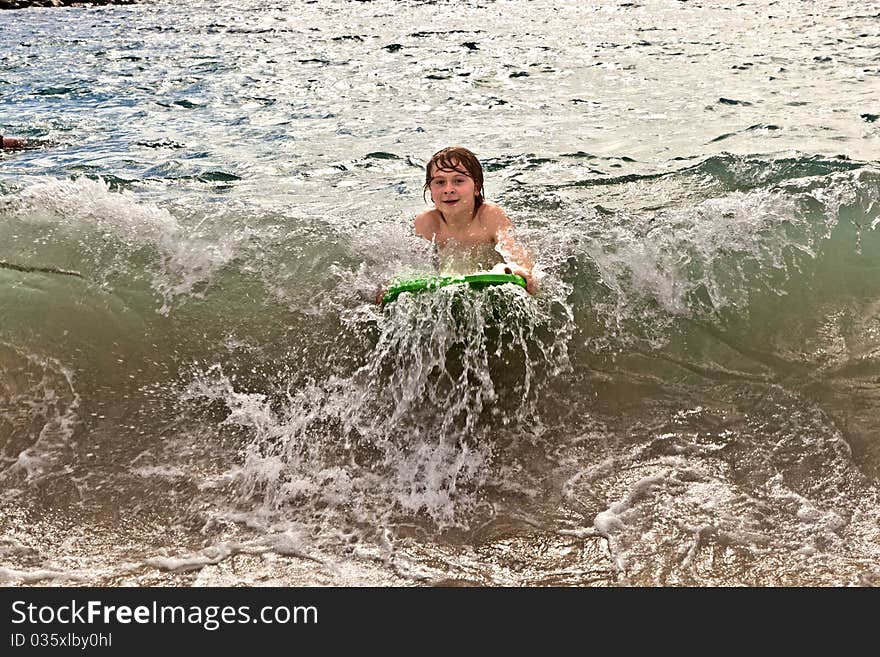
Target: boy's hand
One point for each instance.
(519, 270)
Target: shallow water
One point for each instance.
(196, 388)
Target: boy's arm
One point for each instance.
(505, 243)
(512, 251)
(517, 258)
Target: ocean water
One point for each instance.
(196, 388)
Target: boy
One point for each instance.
(467, 230)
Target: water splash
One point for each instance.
(39, 408)
(413, 429)
(117, 236)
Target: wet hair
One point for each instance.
(454, 158)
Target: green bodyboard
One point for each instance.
(477, 281)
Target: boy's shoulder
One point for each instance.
(493, 215)
(428, 217)
(491, 208)
(427, 223)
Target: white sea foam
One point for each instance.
(42, 391)
(117, 225)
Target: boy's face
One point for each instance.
(452, 189)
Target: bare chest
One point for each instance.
(471, 234)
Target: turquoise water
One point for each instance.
(196, 388)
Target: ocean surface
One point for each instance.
(196, 387)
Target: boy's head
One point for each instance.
(456, 158)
